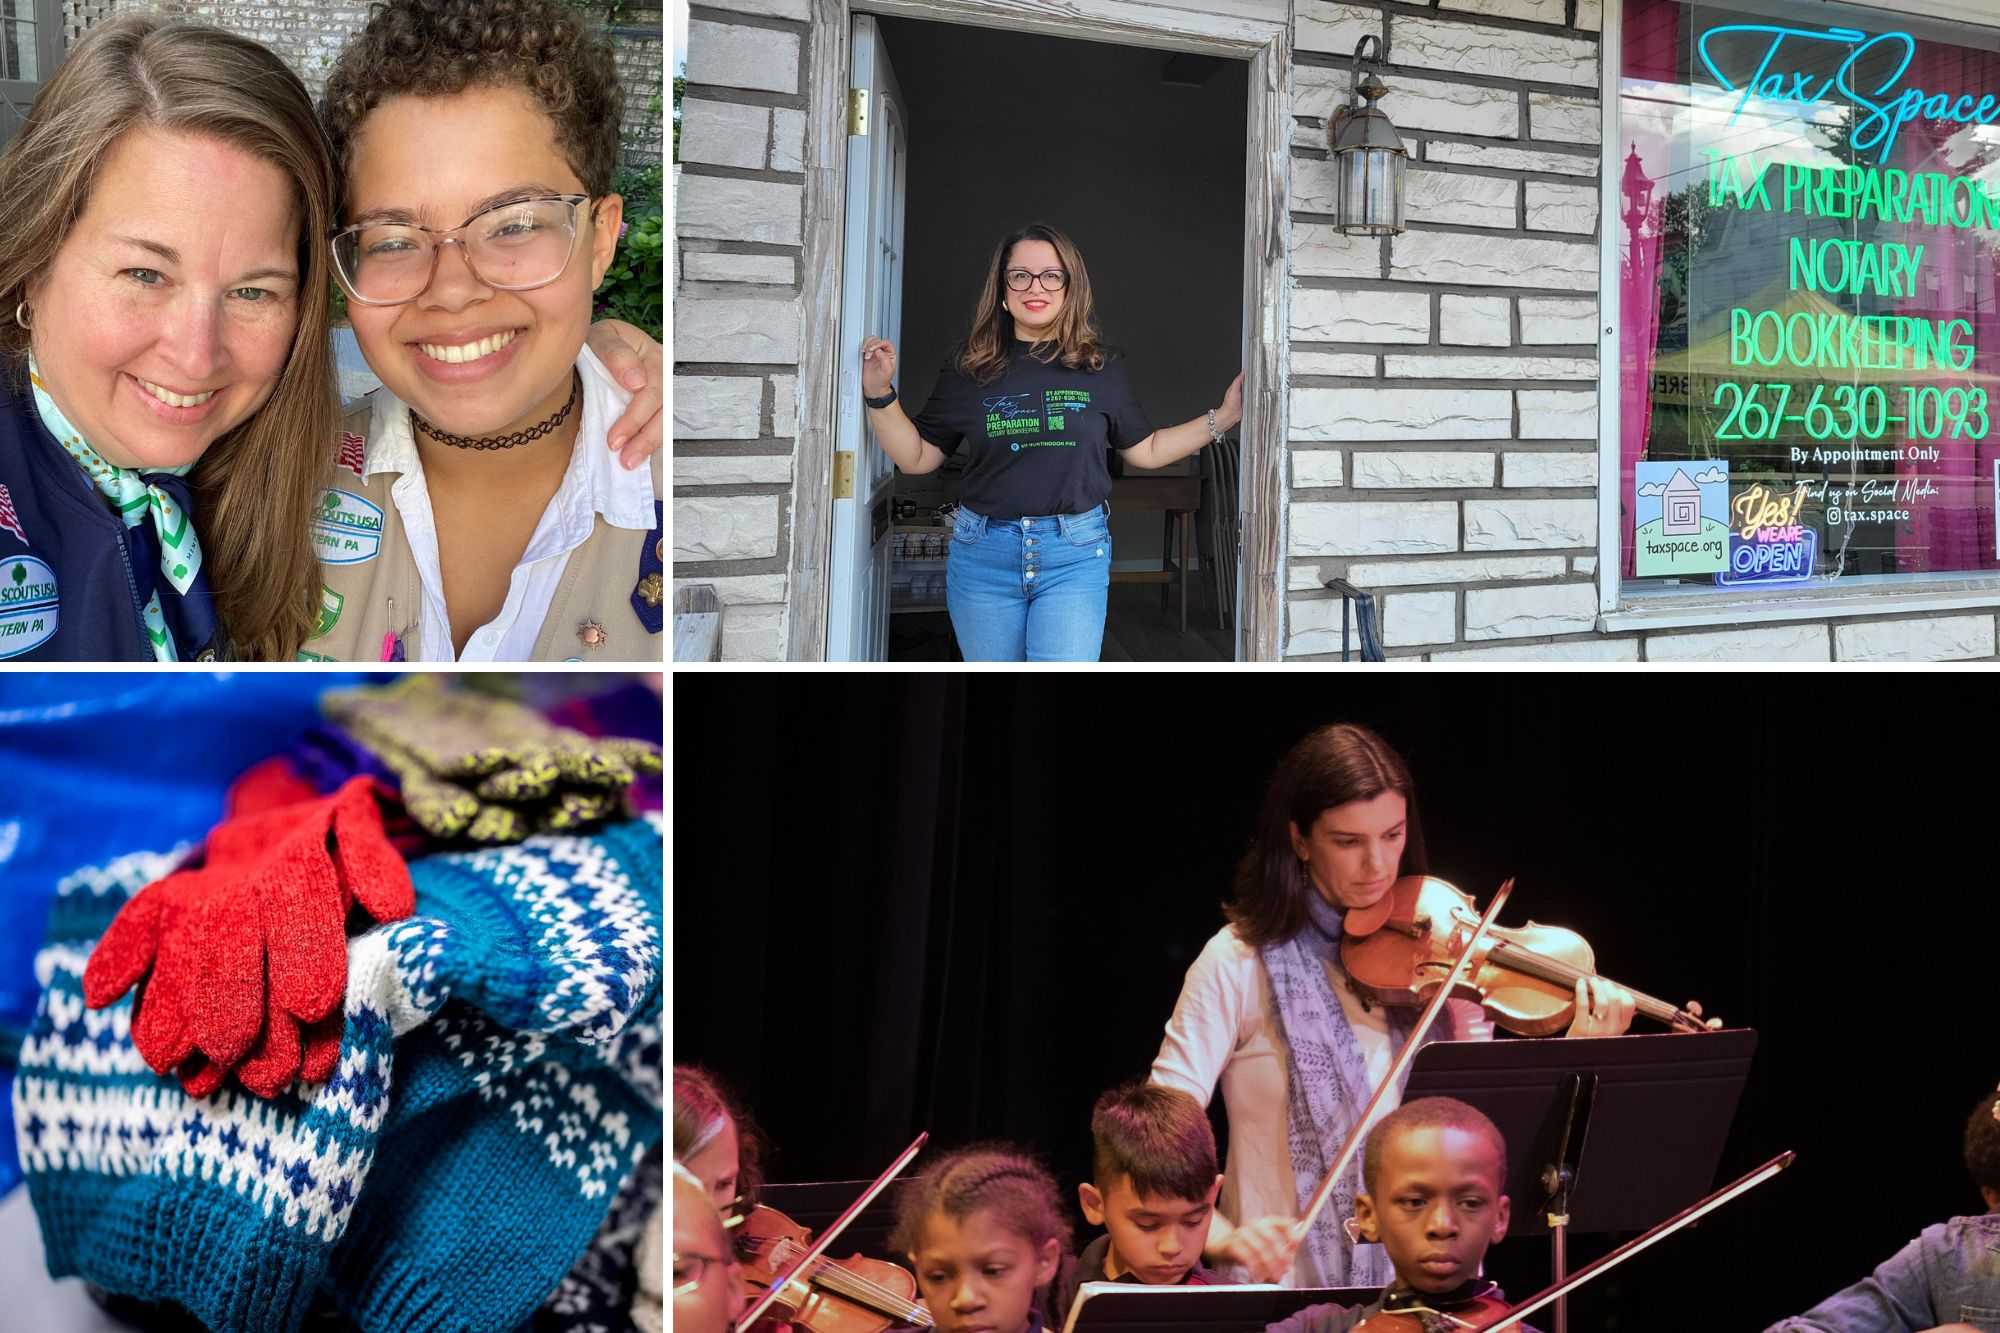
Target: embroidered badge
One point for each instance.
(8, 518)
(27, 605)
(352, 451)
(591, 634)
(346, 530)
(330, 604)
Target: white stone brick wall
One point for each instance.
(1467, 471)
(738, 324)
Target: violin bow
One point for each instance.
(1403, 1057)
(1692, 1213)
(832, 1232)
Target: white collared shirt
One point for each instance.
(594, 483)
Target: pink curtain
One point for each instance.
(1952, 530)
(1652, 38)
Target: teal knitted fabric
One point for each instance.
(500, 1077)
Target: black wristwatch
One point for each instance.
(883, 401)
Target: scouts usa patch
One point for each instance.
(352, 451)
(646, 593)
(27, 605)
(8, 518)
(347, 529)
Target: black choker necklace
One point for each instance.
(503, 441)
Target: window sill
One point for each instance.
(1650, 608)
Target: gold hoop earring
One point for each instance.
(21, 314)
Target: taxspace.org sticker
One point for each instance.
(27, 604)
(346, 530)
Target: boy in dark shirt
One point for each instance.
(1434, 1170)
(1152, 1188)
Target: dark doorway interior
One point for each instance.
(1138, 154)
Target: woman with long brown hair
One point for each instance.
(1268, 1014)
(167, 400)
(1036, 399)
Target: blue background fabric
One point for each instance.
(100, 764)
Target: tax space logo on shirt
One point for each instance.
(1010, 417)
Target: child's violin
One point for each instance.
(1478, 1313)
(1398, 950)
(851, 1295)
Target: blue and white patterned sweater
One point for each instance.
(499, 1078)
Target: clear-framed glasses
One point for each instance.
(1051, 280)
(690, 1269)
(515, 247)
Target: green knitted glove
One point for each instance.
(488, 770)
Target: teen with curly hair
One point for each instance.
(475, 513)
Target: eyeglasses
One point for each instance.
(514, 247)
(1053, 280)
(690, 1269)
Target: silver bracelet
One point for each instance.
(1214, 436)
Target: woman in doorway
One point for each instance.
(1268, 999)
(1038, 399)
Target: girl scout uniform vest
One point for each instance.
(606, 606)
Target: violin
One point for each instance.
(851, 1295)
(1483, 1310)
(1398, 950)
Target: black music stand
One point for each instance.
(1128, 1307)
(814, 1204)
(1603, 1133)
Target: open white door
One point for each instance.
(857, 622)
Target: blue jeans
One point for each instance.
(1029, 589)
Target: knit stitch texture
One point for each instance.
(498, 1081)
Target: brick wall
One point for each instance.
(1443, 386)
(740, 218)
(308, 35)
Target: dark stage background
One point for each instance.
(965, 904)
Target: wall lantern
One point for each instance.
(1368, 157)
(1638, 191)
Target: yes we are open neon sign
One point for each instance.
(1889, 106)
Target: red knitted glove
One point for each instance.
(270, 902)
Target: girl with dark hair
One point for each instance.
(988, 1238)
(1037, 400)
(1268, 1013)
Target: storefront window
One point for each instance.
(1810, 377)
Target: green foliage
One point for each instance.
(634, 287)
(680, 87)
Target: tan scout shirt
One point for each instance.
(605, 606)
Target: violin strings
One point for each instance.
(1557, 971)
(900, 1303)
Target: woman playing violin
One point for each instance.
(1269, 1013)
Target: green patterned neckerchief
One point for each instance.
(135, 501)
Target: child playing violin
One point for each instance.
(1949, 1272)
(1152, 1188)
(1434, 1172)
(708, 1285)
(986, 1234)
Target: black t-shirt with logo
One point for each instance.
(1035, 436)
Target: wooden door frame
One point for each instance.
(1267, 45)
